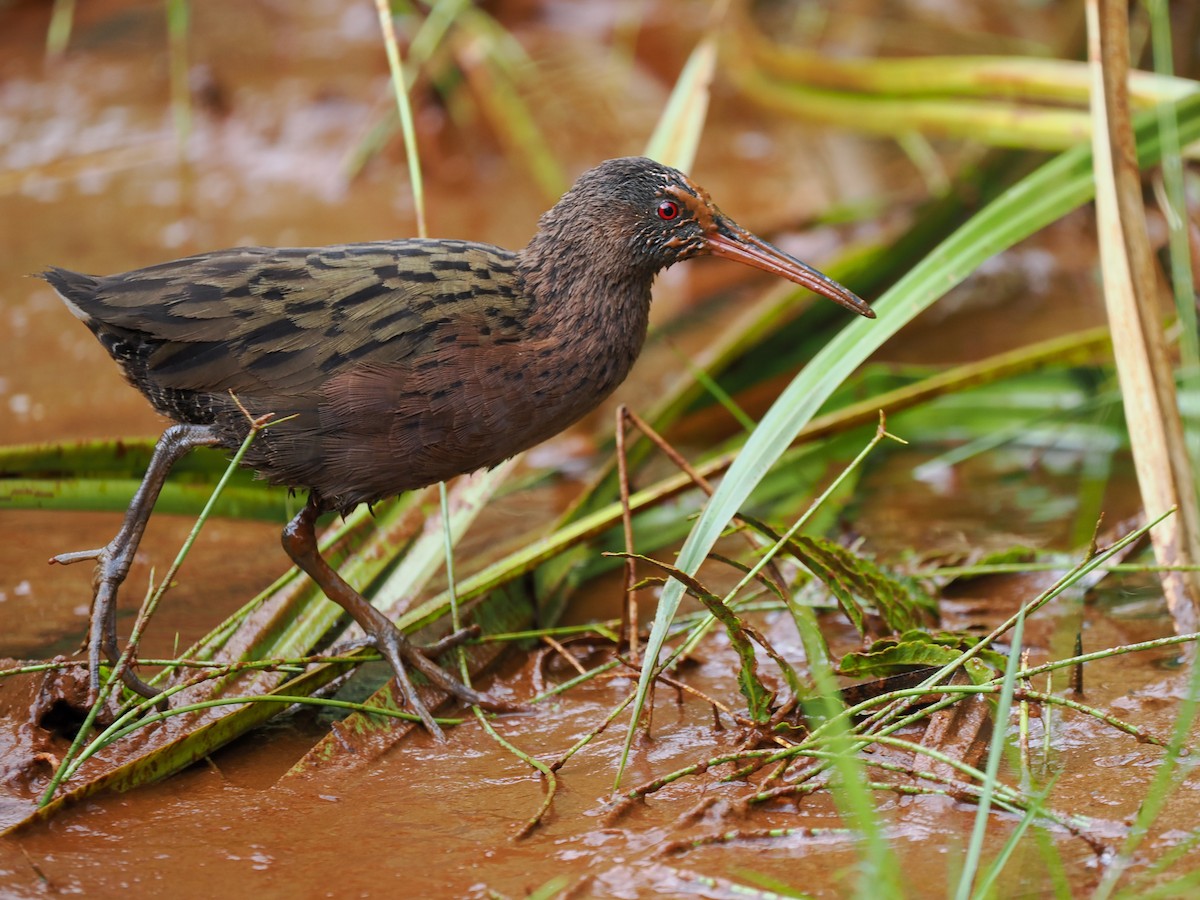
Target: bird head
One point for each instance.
(653, 216)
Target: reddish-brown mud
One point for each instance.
(91, 177)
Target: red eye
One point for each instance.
(668, 210)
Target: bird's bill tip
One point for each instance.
(740, 246)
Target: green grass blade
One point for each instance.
(995, 755)
(405, 111)
(1046, 195)
(58, 34)
(677, 135)
(1022, 77)
(178, 24)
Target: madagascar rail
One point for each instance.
(397, 364)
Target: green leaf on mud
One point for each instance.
(919, 649)
(902, 605)
(758, 698)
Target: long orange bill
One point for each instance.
(731, 241)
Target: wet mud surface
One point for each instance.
(91, 177)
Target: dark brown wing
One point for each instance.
(281, 322)
(279, 327)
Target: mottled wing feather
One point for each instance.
(254, 320)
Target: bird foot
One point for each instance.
(112, 565)
(114, 559)
(139, 687)
(398, 650)
(433, 651)
(300, 542)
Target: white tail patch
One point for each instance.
(76, 311)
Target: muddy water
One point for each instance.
(91, 177)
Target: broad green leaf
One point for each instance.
(890, 657)
(1049, 193)
(758, 698)
(849, 578)
(677, 135)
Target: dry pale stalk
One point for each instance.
(1131, 289)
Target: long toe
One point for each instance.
(418, 659)
(452, 640)
(395, 648)
(103, 640)
(135, 684)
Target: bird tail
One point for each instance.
(76, 289)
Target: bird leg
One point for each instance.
(300, 542)
(114, 559)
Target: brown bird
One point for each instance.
(402, 363)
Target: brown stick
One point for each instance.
(629, 608)
(691, 472)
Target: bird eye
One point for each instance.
(668, 210)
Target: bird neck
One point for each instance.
(583, 288)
